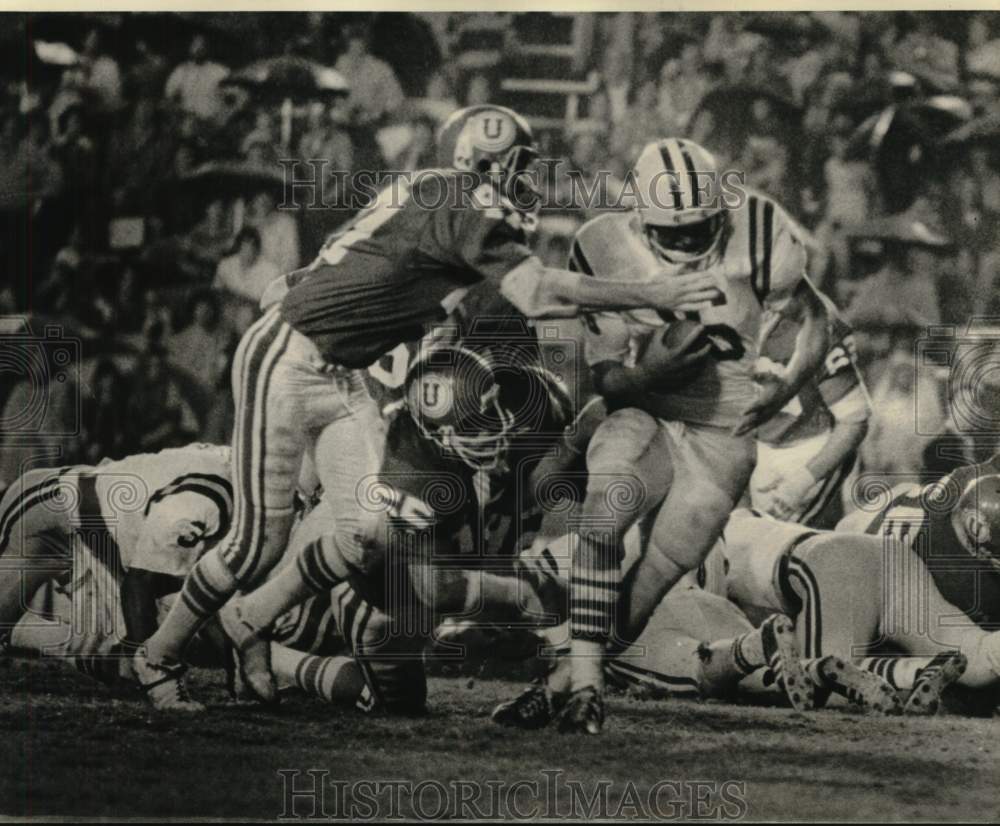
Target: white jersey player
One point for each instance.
(681, 392)
(90, 527)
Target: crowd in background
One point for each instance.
(140, 176)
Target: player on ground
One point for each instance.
(135, 526)
(855, 595)
(677, 444)
(402, 264)
(807, 450)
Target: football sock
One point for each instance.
(725, 661)
(263, 606)
(206, 589)
(334, 679)
(594, 584)
(900, 672)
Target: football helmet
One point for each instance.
(979, 516)
(680, 203)
(453, 396)
(495, 142)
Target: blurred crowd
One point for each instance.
(141, 165)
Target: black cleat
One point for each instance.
(584, 712)
(533, 708)
(782, 656)
(861, 687)
(944, 670)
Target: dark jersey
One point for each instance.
(404, 263)
(968, 583)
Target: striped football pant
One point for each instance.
(286, 399)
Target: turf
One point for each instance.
(71, 747)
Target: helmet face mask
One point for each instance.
(688, 242)
(453, 398)
(495, 142)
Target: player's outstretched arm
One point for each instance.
(811, 345)
(548, 292)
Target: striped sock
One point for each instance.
(724, 662)
(205, 591)
(594, 585)
(334, 679)
(899, 672)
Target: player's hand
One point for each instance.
(683, 293)
(773, 394)
(790, 493)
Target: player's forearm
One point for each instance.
(811, 345)
(546, 292)
(616, 382)
(845, 439)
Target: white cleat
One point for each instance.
(253, 652)
(164, 684)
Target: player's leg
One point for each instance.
(337, 536)
(629, 471)
(35, 539)
(918, 619)
(336, 679)
(711, 470)
(268, 443)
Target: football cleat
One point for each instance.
(253, 652)
(583, 713)
(944, 670)
(164, 685)
(861, 687)
(781, 653)
(533, 708)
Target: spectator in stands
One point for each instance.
(213, 236)
(194, 84)
(142, 151)
(375, 91)
(324, 139)
(245, 273)
(147, 75)
(279, 232)
(104, 430)
(478, 90)
(100, 73)
(200, 350)
(158, 415)
(683, 83)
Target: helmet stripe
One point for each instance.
(752, 206)
(668, 164)
(692, 174)
(578, 261)
(768, 237)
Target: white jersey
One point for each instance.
(758, 266)
(155, 511)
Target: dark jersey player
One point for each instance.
(404, 263)
(954, 526)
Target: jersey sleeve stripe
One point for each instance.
(668, 164)
(768, 241)
(578, 261)
(753, 246)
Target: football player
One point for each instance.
(405, 262)
(111, 535)
(451, 434)
(809, 447)
(677, 445)
(856, 595)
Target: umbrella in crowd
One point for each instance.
(233, 179)
(285, 81)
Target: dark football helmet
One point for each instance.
(979, 515)
(495, 142)
(453, 396)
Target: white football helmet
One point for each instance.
(680, 200)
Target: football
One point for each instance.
(678, 354)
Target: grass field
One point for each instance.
(71, 747)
